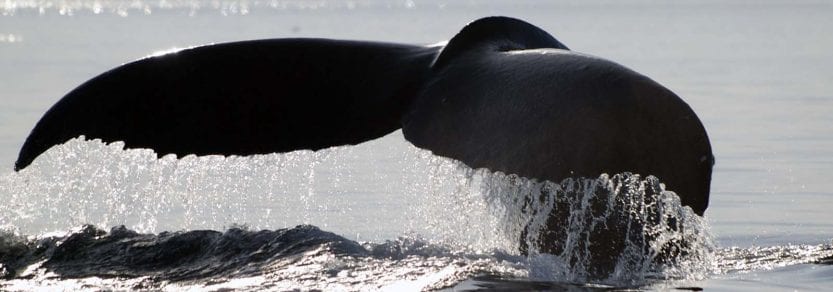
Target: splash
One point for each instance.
(620, 230)
(89, 182)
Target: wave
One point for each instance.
(303, 257)
(168, 256)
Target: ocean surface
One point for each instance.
(385, 215)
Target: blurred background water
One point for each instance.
(758, 73)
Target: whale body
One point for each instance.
(502, 94)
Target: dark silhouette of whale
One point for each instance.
(501, 94)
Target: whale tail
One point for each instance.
(502, 94)
(242, 98)
(264, 96)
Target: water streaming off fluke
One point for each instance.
(460, 223)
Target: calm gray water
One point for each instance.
(758, 73)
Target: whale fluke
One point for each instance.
(242, 98)
(502, 94)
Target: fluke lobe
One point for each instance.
(501, 94)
